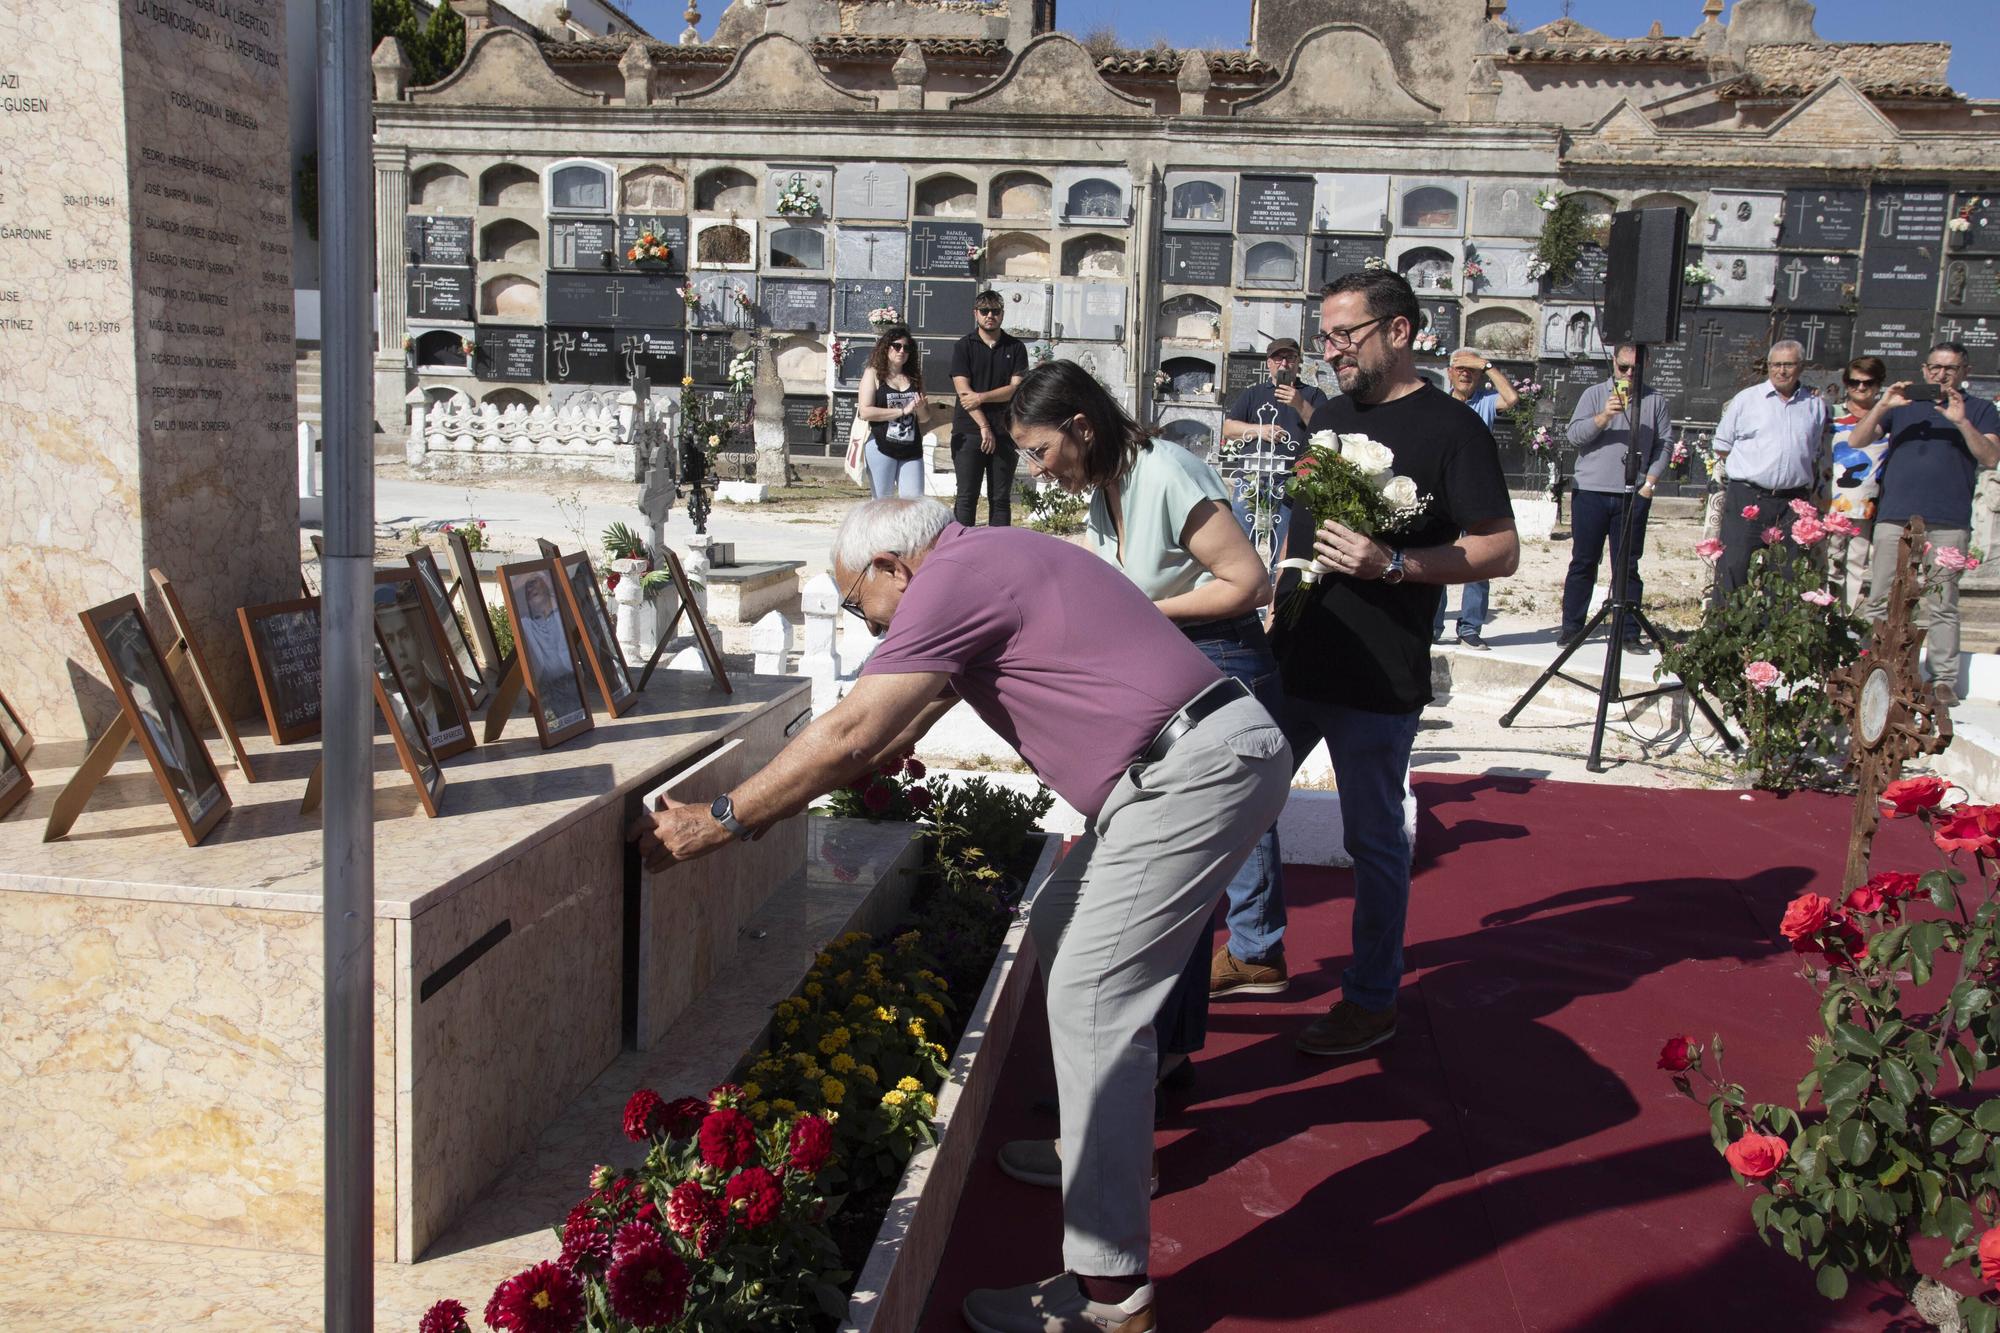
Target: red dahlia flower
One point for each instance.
(920, 799)
(811, 1145)
(913, 767)
(632, 1235)
(547, 1298)
(1906, 796)
(727, 1139)
(876, 797)
(688, 1207)
(585, 1246)
(753, 1196)
(710, 1238)
(644, 1115)
(445, 1317)
(1677, 1054)
(683, 1116)
(648, 1285)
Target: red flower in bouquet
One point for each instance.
(446, 1316)
(876, 797)
(645, 1115)
(1805, 916)
(753, 1196)
(585, 1246)
(710, 1238)
(1756, 1155)
(1894, 884)
(547, 1298)
(1906, 796)
(690, 1207)
(727, 1139)
(1968, 828)
(913, 767)
(683, 1116)
(1677, 1054)
(1848, 946)
(634, 1234)
(648, 1284)
(811, 1145)
(1868, 899)
(920, 799)
(1989, 1256)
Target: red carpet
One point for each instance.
(1512, 1159)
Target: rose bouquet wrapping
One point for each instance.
(1350, 480)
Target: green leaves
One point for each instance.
(1851, 1040)
(1832, 1282)
(1843, 1082)
(1938, 884)
(1856, 1140)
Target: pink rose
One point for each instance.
(1761, 675)
(1709, 549)
(1841, 525)
(1755, 1156)
(1752, 513)
(1803, 509)
(1773, 535)
(1805, 916)
(1949, 557)
(1818, 597)
(1808, 531)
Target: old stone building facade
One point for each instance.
(1157, 215)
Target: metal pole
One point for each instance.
(347, 242)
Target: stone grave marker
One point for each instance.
(936, 353)
(813, 180)
(940, 309)
(1429, 207)
(672, 230)
(1505, 208)
(1739, 220)
(509, 353)
(1570, 331)
(584, 356)
(1108, 362)
(1981, 337)
(708, 357)
(438, 239)
(1902, 215)
(583, 243)
(796, 248)
(854, 298)
(1817, 282)
(660, 353)
(1821, 217)
(1900, 338)
(875, 191)
(585, 298)
(1826, 337)
(1090, 311)
(1200, 200)
(1743, 278)
(1195, 429)
(1243, 371)
(797, 305)
(870, 252)
(1971, 285)
(1027, 308)
(1440, 316)
(1981, 213)
(439, 293)
(1563, 383)
(720, 297)
(843, 418)
(1194, 259)
(854, 356)
(651, 300)
(1274, 206)
(940, 249)
(1350, 202)
(1586, 283)
(1335, 257)
(801, 436)
(1253, 322)
(1666, 375)
(1506, 269)
(1274, 262)
(1724, 350)
(1899, 277)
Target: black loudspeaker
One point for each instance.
(1642, 279)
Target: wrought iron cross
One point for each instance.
(1258, 468)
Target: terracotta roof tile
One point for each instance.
(1233, 65)
(609, 50)
(888, 48)
(1638, 51)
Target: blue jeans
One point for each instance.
(1472, 615)
(1371, 764)
(1256, 893)
(888, 477)
(1595, 519)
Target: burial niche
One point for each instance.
(722, 245)
(580, 187)
(510, 185)
(1430, 207)
(511, 296)
(1021, 195)
(1501, 332)
(652, 190)
(798, 248)
(1271, 263)
(947, 196)
(441, 349)
(801, 363)
(1018, 254)
(504, 400)
(510, 241)
(1194, 436)
(1427, 268)
(1191, 316)
(1189, 377)
(439, 184)
(1095, 198)
(1199, 201)
(725, 190)
(1093, 257)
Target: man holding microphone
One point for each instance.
(1601, 432)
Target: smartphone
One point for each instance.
(1923, 392)
(1285, 376)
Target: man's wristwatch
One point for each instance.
(723, 811)
(1394, 573)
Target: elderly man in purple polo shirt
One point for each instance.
(1178, 770)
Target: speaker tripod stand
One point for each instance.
(1627, 618)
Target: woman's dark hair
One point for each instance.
(1055, 391)
(913, 365)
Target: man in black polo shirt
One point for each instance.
(1294, 404)
(985, 367)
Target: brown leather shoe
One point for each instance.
(1347, 1029)
(1230, 975)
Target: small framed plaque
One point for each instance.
(416, 645)
(158, 715)
(15, 730)
(585, 597)
(184, 638)
(541, 645)
(428, 573)
(474, 597)
(412, 748)
(283, 642)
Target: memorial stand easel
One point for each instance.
(1893, 713)
(184, 645)
(506, 693)
(696, 621)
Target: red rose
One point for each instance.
(644, 1115)
(683, 1116)
(445, 1317)
(727, 1139)
(1967, 828)
(547, 1298)
(1894, 884)
(1849, 944)
(689, 1207)
(1906, 796)
(1989, 1256)
(648, 1285)
(753, 1197)
(1755, 1155)
(812, 1144)
(1805, 916)
(1867, 899)
(1677, 1054)
(876, 798)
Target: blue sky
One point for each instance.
(1971, 26)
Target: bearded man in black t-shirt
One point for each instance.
(1357, 663)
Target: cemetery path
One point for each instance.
(1513, 1159)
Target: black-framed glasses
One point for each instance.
(1861, 384)
(1625, 369)
(1947, 367)
(899, 347)
(993, 310)
(847, 603)
(1348, 337)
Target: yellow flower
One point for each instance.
(874, 960)
(760, 1110)
(892, 1098)
(784, 1106)
(884, 1015)
(842, 1063)
(932, 1003)
(823, 960)
(907, 941)
(908, 1084)
(844, 980)
(853, 937)
(814, 989)
(752, 1091)
(916, 1028)
(927, 1104)
(868, 1072)
(833, 1041)
(863, 1002)
(687, 381)
(834, 1090)
(935, 1049)
(792, 1028)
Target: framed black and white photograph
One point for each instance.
(282, 639)
(417, 649)
(158, 715)
(473, 594)
(585, 596)
(413, 749)
(542, 643)
(460, 647)
(183, 634)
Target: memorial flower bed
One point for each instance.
(754, 1206)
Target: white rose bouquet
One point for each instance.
(1350, 480)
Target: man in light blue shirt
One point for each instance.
(1485, 388)
(1773, 444)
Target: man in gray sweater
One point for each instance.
(1600, 430)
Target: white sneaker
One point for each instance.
(1057, 1305)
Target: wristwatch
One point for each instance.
(1394, 573)
(723, 810)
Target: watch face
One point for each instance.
(1873, 715)
(721, 807)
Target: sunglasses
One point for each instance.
(1861, 384)
(899, 347)
(989, 310)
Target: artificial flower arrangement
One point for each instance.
(1473, 271)
(1425, 342)
(1544, 441)
(819, 417)
(689, 296)
(1962, 223)
(1374, 262)
(1697, 274)
(796, 199)
(743, 370)
(742, 299)
(650, 249)
(882, 316)
(1350, 480)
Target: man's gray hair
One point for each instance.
(1787, 345)
(904, 527)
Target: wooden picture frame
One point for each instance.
(413, 747)
(198, 665)
(696, 621)
(474, 596)
(14, 730)
(596, 634)
(456, 644)
(15, 781)
(159, 720)
(409, 627)
(276, 636)
(542, 650)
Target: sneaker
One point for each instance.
(1039, 1162)
(1230, 975)
(1057, 1305)
(1347, 1029)
(1469, 638)
(1568, 635)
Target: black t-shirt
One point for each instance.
(1291, 420)
(987, 368)
(896, 439)
(1365, 643)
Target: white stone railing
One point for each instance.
(609, 435)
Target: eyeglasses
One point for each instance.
(899, 347)
(1625, 368)
(1861, 384)
(1947, 366)
(1782, 365)
(994, 310)
(847, 603)
(1349, 337)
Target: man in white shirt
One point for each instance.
(1773, 441)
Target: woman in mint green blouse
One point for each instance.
(1162, 516)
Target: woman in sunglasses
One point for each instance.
(892, 394)
(1857, 479)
